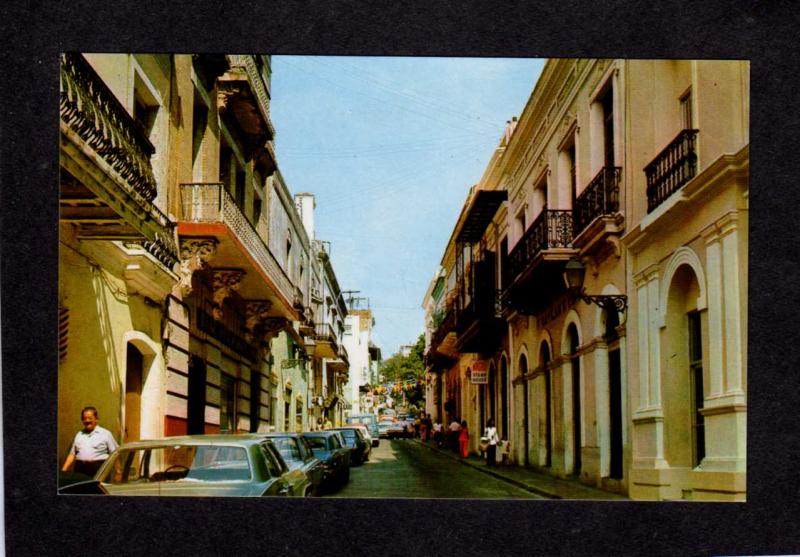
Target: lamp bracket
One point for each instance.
(618, 303)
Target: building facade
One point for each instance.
(364, 357)
(185, 291)
(632, 173)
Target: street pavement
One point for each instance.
(405, 468)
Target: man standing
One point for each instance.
(92, 445)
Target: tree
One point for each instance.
(409, 371)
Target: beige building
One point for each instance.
(633, 174)
(185, 301)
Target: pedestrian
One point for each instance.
(452, 434)
(91, 447)
(438, 433)
(428, 426)
(328, 423)
(463, 439)
(491, 449)
(319, 424)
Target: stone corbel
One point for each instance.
(195, 253)
(271, 327)
(257, 312)
(226, 282)
(226, 90)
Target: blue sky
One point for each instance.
(390, 148)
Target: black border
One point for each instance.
(38, 521)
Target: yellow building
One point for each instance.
(184, 288)
(632, 176)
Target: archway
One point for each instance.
(544, 361)
(573, 342)
(523, 371)
(134, 370)
(504, 398)
(615, 422)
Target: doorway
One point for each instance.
(614, 395)
(196, 411)
(544, 358)
(134, 366)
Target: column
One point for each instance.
(715, 308)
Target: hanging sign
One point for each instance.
(480, 372)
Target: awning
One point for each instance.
(480, 213)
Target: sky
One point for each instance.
(390, 146)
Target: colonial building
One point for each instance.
(629, 177)
(185, 270)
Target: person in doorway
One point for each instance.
(319, 424)
(491, 449)
(91, 447)
(463, 439)
(328, 424)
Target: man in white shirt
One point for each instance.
(92, 445)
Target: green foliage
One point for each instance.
(402, 368)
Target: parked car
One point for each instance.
(200, 465)
(296, 452)
(371, 422)
(391, 429)
(75, 483)
(329, 447)
(359, 447)
(372, 440)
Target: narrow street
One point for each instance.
(403, 468)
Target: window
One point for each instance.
(225, 160)
(256, 210)
(145, 106)
(608, 127)
(240, 186)
(696, 377)
(199, 125)
(255, 399)
(269, 460)
(520, 223)
(227, 402)
(686, 110)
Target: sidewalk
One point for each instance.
(535, 482)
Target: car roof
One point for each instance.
(213, 439)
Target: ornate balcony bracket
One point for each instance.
(257, 313)
(195, 254)
(226, 283)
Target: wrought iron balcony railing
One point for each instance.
(447, 325)
(601, 197)
(92, 111)
(210, 202)
(551, 229)
(671, 169)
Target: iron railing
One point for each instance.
(210, 202)
(551, 229)
(601, 197)
(324, 331)
(92, 111)
(671, 169)
(447, 325)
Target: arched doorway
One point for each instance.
(504, 398)
(614, 394)
(523, 371)
(544, 361)
(134, 372)
(490, 386)
(573, 343)
(481, 407)
(196, 410)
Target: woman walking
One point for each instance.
(463, 439)
(491, 450)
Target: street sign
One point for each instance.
(480, 372)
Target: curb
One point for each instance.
(488, 472)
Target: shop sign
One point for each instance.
(480, 372)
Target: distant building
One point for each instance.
(363, 353)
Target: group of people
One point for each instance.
(456, 437)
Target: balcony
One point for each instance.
(479, 316)
(537, 259)
(325, 338)
(444, 335)
(596, 217)
(671, 169)
(209, 212)
(107, 185)
(243, 94)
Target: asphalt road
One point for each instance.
(402, 468)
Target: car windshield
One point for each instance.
(179, 463)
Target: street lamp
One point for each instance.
(574, 273)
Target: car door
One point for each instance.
(297, 479)
(312, 465)
(279, 485)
